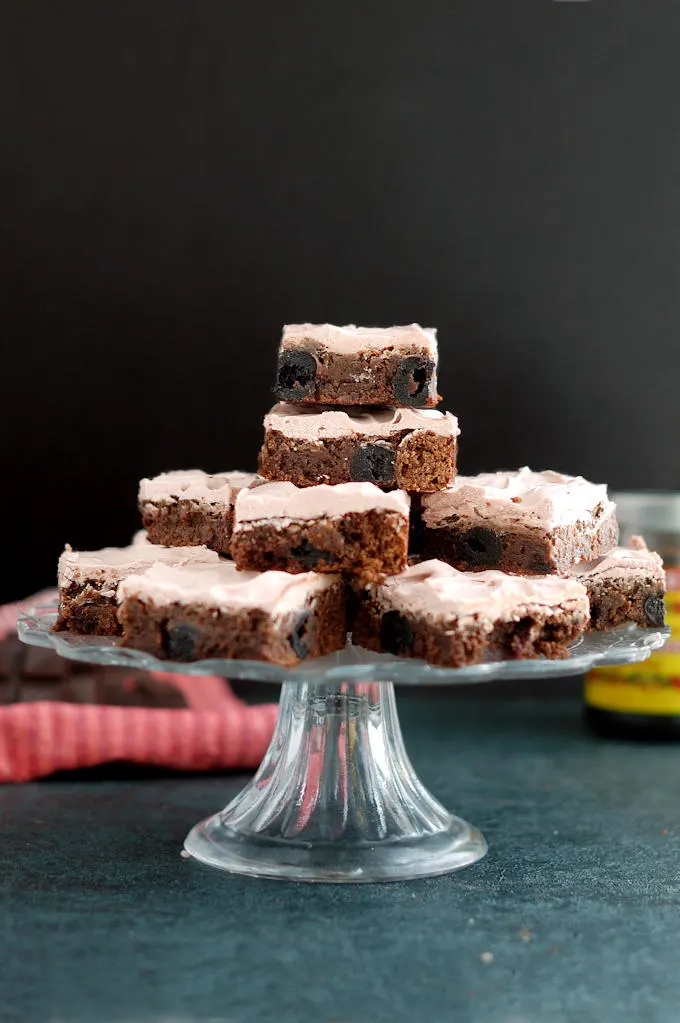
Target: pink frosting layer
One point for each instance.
(620, 563)
(222, 587)
(504, 500)
(285, 501)
(437, 590)
(194, 485)
(111, 564)
(238, 480)
(350, 340)
(320, 422)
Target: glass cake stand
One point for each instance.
(336, 798)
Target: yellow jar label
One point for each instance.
(651, 687)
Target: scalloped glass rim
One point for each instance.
(625, 645)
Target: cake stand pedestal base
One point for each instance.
(336, 798)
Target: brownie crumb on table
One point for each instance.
(325, 364)
(435, 613)
(407, 448)
(191, 507)
(522, 522)
(353, 528)
(209, 611)
(88, 581)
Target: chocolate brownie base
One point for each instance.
(314, 373)
(86, 610)
(181, 632)
(369, 545)
(391, 632)
(615, 603)
(414, 461)
(454, 644)
(472, 548)
(188, 524)
(626, 585)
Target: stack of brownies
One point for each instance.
(357, 522)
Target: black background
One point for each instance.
(178, 179)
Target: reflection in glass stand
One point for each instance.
(336, 798)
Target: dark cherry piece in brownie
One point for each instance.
(325, 364)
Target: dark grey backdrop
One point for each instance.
(180, 177)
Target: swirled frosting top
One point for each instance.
(435, 588)
(502, 500)
(620, 562)
(194, 485)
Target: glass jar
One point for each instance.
(642, 701)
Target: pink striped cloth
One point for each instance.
(216, 731)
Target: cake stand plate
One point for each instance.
(336, 798)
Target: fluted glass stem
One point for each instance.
(336, 797)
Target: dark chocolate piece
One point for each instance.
(655, 610)
(411, 383)
(396, 634)
(479, 547)
(373, 463)
(180, 642)
(295, 374)
(299, 637)
(307, 555)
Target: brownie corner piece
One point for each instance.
(328, 364)
(353, 528)
(88, 581)
(191, 507)
(205, 612)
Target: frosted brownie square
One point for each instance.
(412, 449)
(626, 585)
(354, 528)
(322, 363)
(435, 613)
(191, 507)
(88, 581)
(204, 611)
(523, 522)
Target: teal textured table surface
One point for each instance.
(573, 915)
